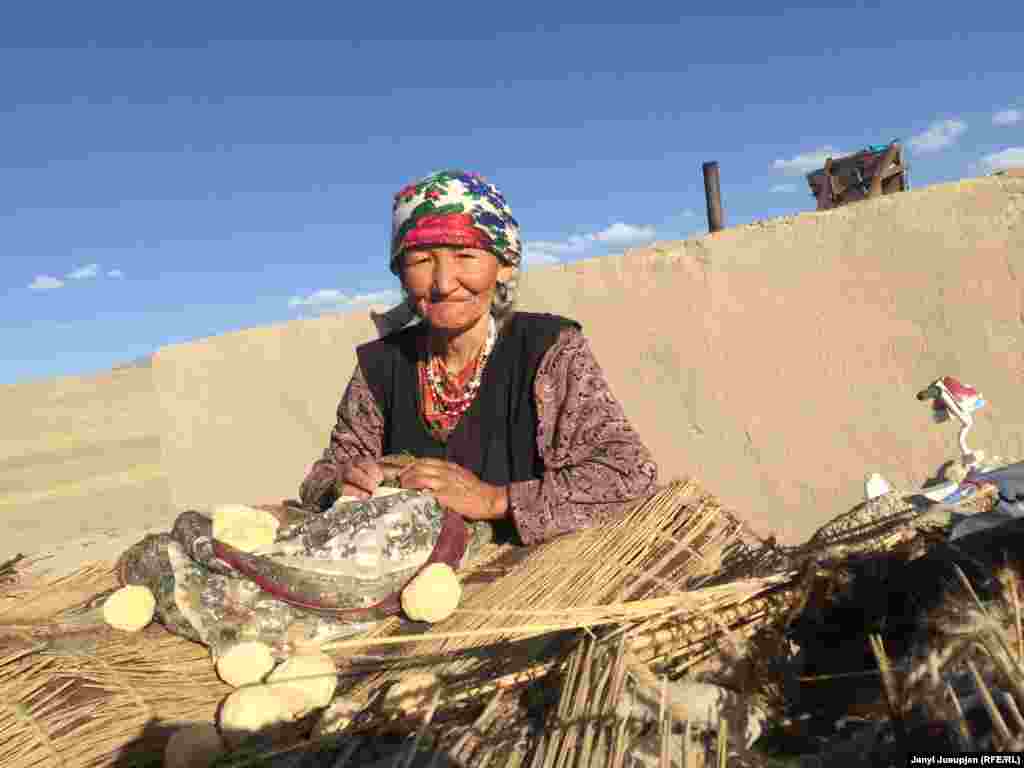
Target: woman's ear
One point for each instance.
(505, 272)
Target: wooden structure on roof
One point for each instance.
(871, 172)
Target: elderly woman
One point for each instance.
(508, 412)
(512, 427)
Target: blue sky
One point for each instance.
(178, 171)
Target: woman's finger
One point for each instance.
(354, 476)
(419, 473)
(437, 465)
(358, 489)
(425, 477)
(352, 490)
(376, 473)
(418, 480)
(423, 481)
(370, 470)
(360, 479)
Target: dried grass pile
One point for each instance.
(98, 690)
(80, 706)
(534, 666)
(28, 598)
(643, 568)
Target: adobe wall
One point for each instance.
(777, 362)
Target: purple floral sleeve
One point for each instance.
(358, 432)
(594, 460)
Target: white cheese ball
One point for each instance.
(247, 529)
(130, 608)
(194, 746)
(314, 674)
(245, 663)
(252, 710)
(433, 595)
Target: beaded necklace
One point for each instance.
(446, 396)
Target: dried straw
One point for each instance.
(88, 695)
(31, 598)
(646, 557)
(648, 572)
(89, 699)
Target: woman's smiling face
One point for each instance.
(451, 287)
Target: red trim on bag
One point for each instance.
(449, 549)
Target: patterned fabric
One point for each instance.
(352, 559)
(454, 208)
(221, 611)
(328, 576)
(594, 460)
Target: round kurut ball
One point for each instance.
(256, 709)
(130, 608)
(314, 674)
(244, 528)
(245, 663)
(433, 595)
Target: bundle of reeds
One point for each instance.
(675, 580)
(887, 522)
(623, 572)
(614, 712)
(29, 598)
(630, 570)
(81, 699)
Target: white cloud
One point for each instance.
(539, 252)
(785, 188)
(573, 244)
(688, 213)
(1007, 117)
(535, 255)
(620, 233)
(331, 299)
(323, 297)
(940, 134)
(376, 297)
(802, 164)
(82, 273)
(45, 283)
(115, 273)
(1012, 157)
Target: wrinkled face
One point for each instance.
(452, 288)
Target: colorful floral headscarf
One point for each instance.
(454, 208)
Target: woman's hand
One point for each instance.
(360, 479)
(457, 488)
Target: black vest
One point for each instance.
(496, 438)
